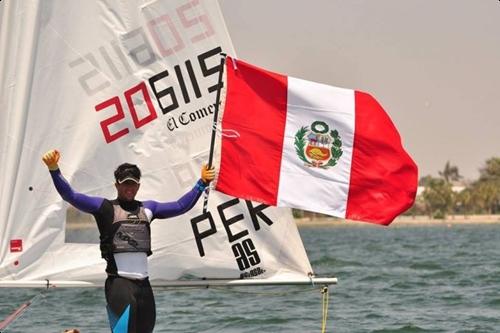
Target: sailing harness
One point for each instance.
(130, 232)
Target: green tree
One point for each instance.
(450, 174)
(464, 202)
(486, 197)
(425, 180)
(418, 207)
(491, 172)
(438, 198)
(485, 191)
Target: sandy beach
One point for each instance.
(402, 221)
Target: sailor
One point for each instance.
(124, 228)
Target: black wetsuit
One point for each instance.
(131, 305)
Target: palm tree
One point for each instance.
(450, 173)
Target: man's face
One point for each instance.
(127, 190)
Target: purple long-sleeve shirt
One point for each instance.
(97, 205)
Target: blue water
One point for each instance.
(396, 279)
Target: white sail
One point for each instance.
(107, 82)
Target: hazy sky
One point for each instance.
(433, 64)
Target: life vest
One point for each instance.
(130, 232)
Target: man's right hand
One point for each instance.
(51, 158)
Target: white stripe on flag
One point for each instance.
(309, 102)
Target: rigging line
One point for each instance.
(21, 309)
(228, 133)
(311, 275)
(233, 61)
(325, 299)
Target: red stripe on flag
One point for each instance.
(256, 108)
(383, 176)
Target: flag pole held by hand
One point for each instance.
(214, 124)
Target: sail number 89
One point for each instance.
(246, 254)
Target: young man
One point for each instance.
(124, 228)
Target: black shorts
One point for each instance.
(131, 305)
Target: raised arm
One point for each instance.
(85, 203)
(163, 210)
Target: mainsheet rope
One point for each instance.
(325, 299)
(21, 309)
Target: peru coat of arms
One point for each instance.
(318, 146)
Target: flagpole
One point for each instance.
(214, 125)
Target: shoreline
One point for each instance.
(401, 221)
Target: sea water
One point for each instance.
(443, 278)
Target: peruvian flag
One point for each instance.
(310, 146)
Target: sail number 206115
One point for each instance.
(167, 98)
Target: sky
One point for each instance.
(433, 65)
